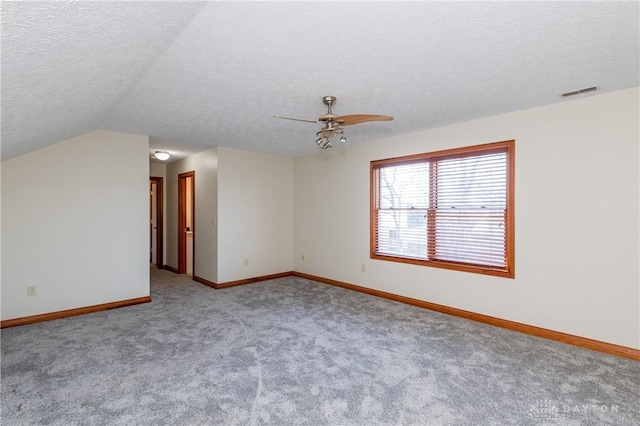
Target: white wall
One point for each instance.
(75, 224)
(255, 196)
(205, 165)
(244, 210)
(577, 210)
(160, 170)
(0, 243)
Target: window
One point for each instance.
(449, 209)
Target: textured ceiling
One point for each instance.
(195, 75)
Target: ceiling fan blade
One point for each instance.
(296, 119)
(348, 120)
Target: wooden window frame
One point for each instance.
(508, 271)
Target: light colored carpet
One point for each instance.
(295, 352)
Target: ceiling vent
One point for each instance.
(580, 91)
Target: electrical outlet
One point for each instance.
(32, 290)
(362, 268)
(246, 262)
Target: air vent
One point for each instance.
(580, 91)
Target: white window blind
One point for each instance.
(445, 207)
(469, 212)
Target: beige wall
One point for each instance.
(205, 165)
(244, 211)
(75, 224)
(577, 209)
(255, 198)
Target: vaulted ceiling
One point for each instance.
(194, 75)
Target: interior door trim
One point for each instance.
(182, 212)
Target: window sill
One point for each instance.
(484, 270)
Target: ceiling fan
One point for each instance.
(332, 124)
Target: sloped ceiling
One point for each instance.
(194, 75)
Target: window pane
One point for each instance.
(473, 182)
(469, 219)
(404, 186)
(404, 197)
(470, 236)
(402, 233)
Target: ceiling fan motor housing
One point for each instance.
(329, 100)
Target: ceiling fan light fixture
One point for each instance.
(162, 155)
(323, 142)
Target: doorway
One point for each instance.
(186, 222)
(156, 224)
